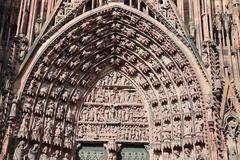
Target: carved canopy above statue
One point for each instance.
(120, 54)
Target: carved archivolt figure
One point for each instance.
(47, 136)
(66, 157)
(187, 154)
(32, 153)
(57, 137)
(23, 131)
(68, 136)
(55, 155)
(27, 105)
(19, 151)
(36, 129)
(44, 155)
(200, 154)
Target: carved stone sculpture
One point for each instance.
(55, 155)
(32, 153)
(19, 151)
(43, 155)
(58, 135)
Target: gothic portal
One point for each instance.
(116, 80)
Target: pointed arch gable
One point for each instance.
(121, 39)
(200, 71)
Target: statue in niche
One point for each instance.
(39, 106)
(32, 153)
(68, 136)
(57, 136)
(176, 108)
(27, 105)
(69, 115)
(55, 155)
(60, 111)
(47, 136)
(19, 151)
(187, 128)
(63, 77)
(177, 155)
(32, 87)
(66, 157)
(232, 148)
(200, 155)
(186, 106)
(199, 125)
(65, 95)
(44, 91)
(56, 91)
(50, 109)
(177, 129)
(76, 96)
(187, 153)
(23, 131)
(36, 129)
(43, 155)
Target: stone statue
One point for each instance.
(57, 137)
(44, 155)
(66, 157)
(177, 155)
(19, 151)
(23, 131)
(55, 155)
(36, 129)
(187, 154)
(68, 136)
(232, 148)
(47, 136)
(27, 105)
(199, 153)
(32, 153)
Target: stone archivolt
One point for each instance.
(66, 89)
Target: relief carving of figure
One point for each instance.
(36, 129)
(50, 109)
(65, 95)
(57, 136)
(68, 136)
(43, 155)
(39, 106)
(177, 155)
(32, 153)
(23, 131)
(28, 104)
(66, 157)
(55, 155)
(200, 154)
(187, 128)
(60, 111)
(188, 154)
(76, 96)
(19, 151)
(47, 136)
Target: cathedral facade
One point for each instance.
(120, 79)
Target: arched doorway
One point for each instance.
(113, 78)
